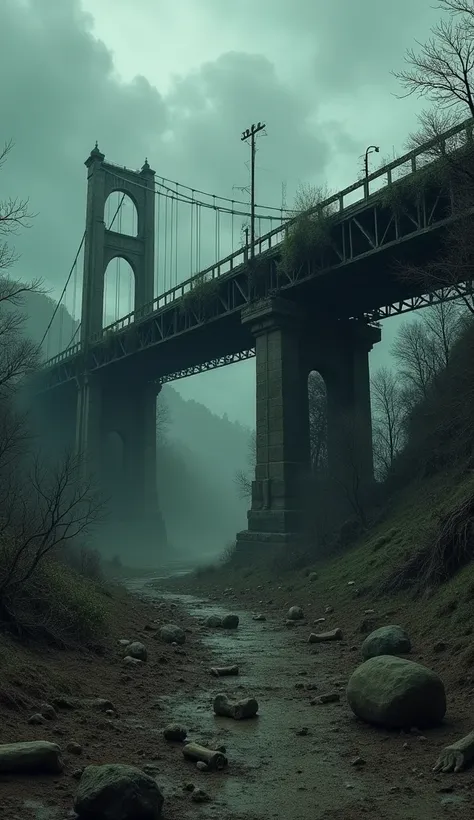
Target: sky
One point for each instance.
(177, 81)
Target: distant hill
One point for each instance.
(198, 453)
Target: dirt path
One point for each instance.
(295, 762)
(275, 772)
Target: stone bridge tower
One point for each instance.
(119, 402)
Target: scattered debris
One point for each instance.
(238, 710)
(212, 758)
(320, 637)
(222, 671)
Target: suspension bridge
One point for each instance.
(199, 295)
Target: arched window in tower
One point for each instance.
(121, 214)
(119, 291)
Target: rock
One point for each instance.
(302, 732)
(137, 650)
(213, 621)
(117, 792)
(35, 756)
(259, 618)
(238, 710)
(329, 610)
(439, 646)
(129, 661)
(396, 693)
(313, 576)
(36, 720)
(48, 711)
(172, 634)
(230, 622)
(358, 761)
(175, 732)
(295, 613)
(74, 748)
(320, 637)
(199, 796)
(203, 767)
(387, 640)
(124, 642)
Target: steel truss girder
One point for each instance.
(356, 233)
(221, 361)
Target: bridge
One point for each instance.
(320, 314)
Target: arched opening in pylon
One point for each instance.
(119, 291)
(120, 214)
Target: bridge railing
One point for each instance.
(344, 200)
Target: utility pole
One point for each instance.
(250, 134)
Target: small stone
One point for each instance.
(170, 633)
(440, 646)
(295, 613)
(259, 618)
(189, 787)
(302, 732)
(230, 622)
(358, 761)
(313, 576)
(350, 583)
(369, 612)
(36, 720)
(124, 642)
(74, 748)
(320, 637)
(213, 621)
(175, 732)
(329, 610)
(200, 796)
(129, 661)
(77, 774)
(48, 711)
(203, 767)
(137, 650)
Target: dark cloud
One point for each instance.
(61, 91)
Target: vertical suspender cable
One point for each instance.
(176, 237)
(165, 243)
(192, 237)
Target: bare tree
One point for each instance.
(14, 214)
(442, 71)
(423, 347)
(389, 414)
(443, 68)
(42, 510)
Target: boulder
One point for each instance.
(35, 756)
(175, 732)
(137, 650)
(213, 621)
(295, 613)
(230, 622)
(387, 640)
(172, 634)
(396, 693)
(117, 792)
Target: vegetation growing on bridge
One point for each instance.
(310, 233)
(200, 299)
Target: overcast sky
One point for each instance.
(178, 81)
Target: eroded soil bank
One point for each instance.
(295, 761)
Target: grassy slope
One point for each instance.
(447, 613)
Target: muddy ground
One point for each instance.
(296, 761)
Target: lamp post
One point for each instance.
(369, 150)
(250, 134)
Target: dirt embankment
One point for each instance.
(30, 678)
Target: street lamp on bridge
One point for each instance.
(371, 149)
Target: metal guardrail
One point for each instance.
(384, 175)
